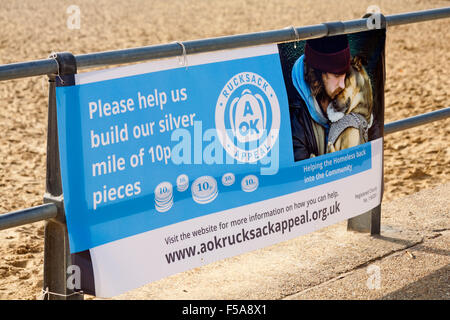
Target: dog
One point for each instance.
(350, 112)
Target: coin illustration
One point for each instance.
(163, 196)
(182, 182)
(228, 179)
(204, 189)
(249, 183)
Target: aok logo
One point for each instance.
(249, 113)
(247, 117)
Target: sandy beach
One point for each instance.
(417, 81)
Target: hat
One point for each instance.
(329, 54)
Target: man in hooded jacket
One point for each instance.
(318, 77)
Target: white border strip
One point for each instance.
(173, 63)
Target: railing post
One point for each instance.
(370, 221)
(56, 248)
(366, 222)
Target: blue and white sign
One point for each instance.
(181, 166)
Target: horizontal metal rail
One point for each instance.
(49, 66)
(29, 215)
(416, 120)
(417, 16)
(49, 210)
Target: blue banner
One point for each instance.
(143, 151)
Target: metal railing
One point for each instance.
(29, 215)
(49, 66)
(56, 251)
(415, 121)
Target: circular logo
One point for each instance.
(247, 117)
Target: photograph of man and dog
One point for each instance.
(335, 89)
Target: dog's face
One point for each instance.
(357, 95)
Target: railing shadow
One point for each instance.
(435, 286)
(417, 246)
